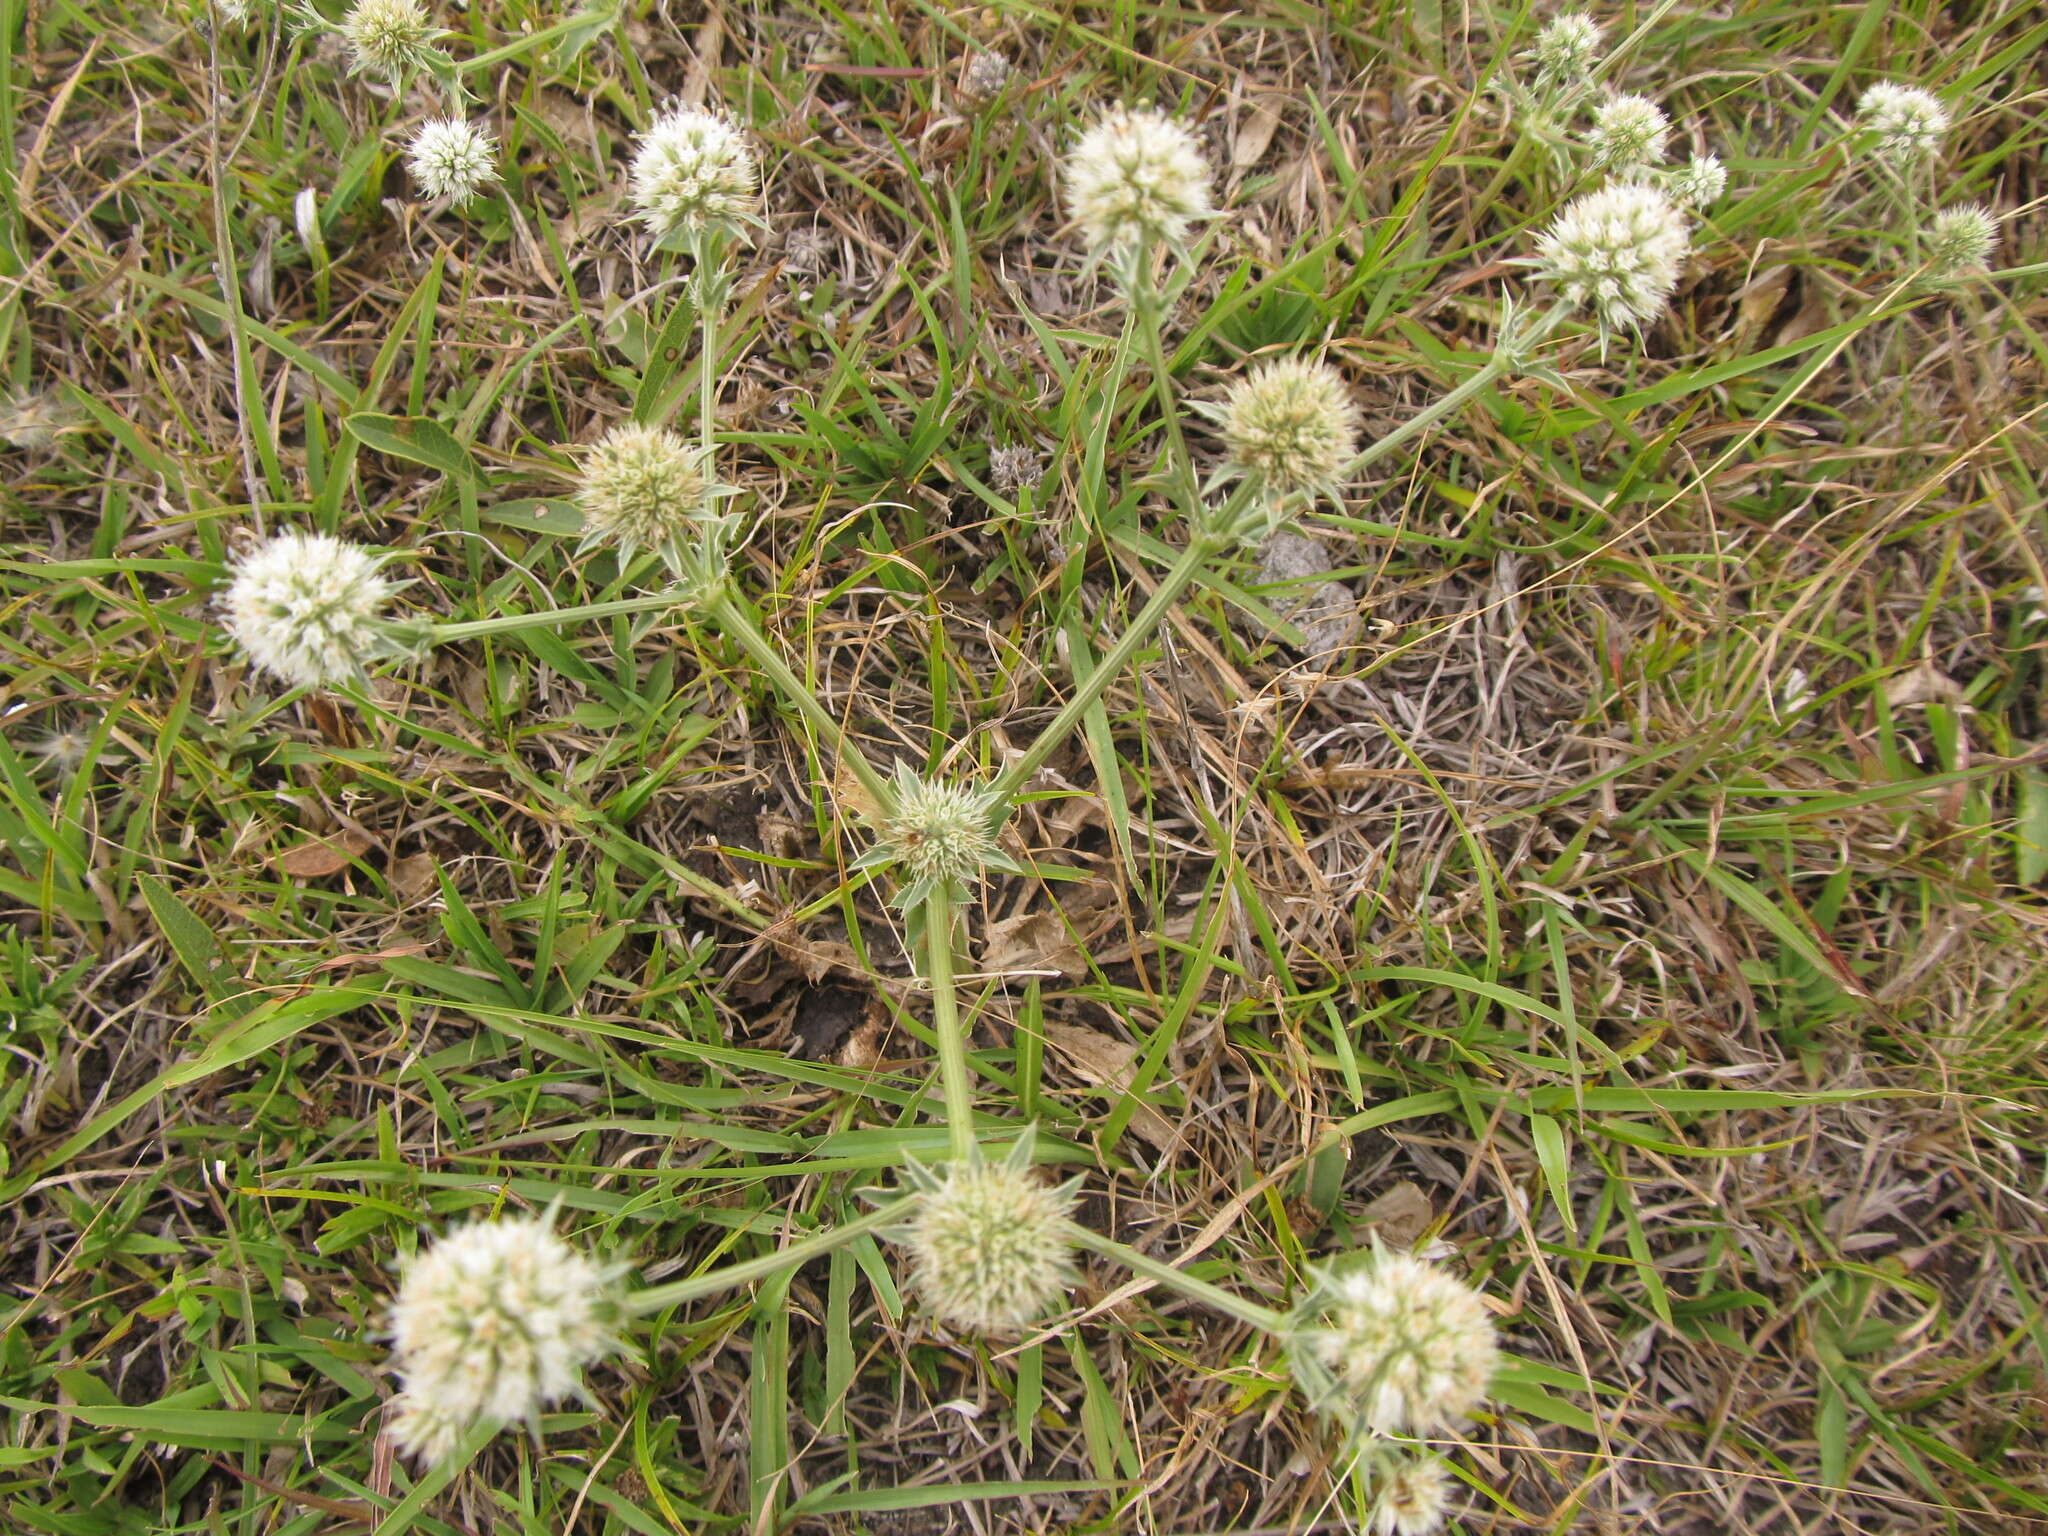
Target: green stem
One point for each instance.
(946, 1024)
(679, 1292)
(1202, 547)
(552, 618)
(710, 301)
(740, 626)
(1429, 416)
(1263, 1318)
(1181, 465)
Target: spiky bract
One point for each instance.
(492, 1323)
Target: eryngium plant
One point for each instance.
(1617, 251)
(693, 176)
(1393, 1345)
(1137, 179)
(1907, 123)
(645, 487)
(1412, 1497)
(988, 1241)
(391, 38)
(1959, 241)
(1698, 183)
(452, 160)
(491, 1324)
(309, 609)
(1628, 134)
(942, 835)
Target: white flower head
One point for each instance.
(693, 174)
(1290, 428)
(1698, 183)
(308, 609)
(35, 419)
(1908, 122)
(942, 834)
(1014, 467)
(1960, 240)
(645, 487)
(452, 160)
(1618, 251)
(1629, 134)
(988, 1241)
(492, 1323)
(1394, 1345)
(1412, 1499)
(1136, 179)
(390, 38)
(1566, 50)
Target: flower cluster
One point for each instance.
(391, 38)
(1906, 123)
(943, 835)
(693, 175)
(1628, 134)
(1395, 1344)
(1567, 49)
(309, 609)
(988, 1242)
(1960, 240)
(451, 160)
(1136, 179)
(645, 487)
(491, 1324)
(1617, 251)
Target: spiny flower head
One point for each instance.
(1394, 1344)
(646, 487)
(693, 174)
(1014, 467)
(988, 1242)
(942, 834)
(389, 38)
(452, 160)
(308, 609)
(1136, 178)
(1618, 250)
(1697, 183)
(985, 75)
(1290, 427)
(1412, 1499)
(492, 1323)
(1960, 240)
(1566, 49)
(1909, 122)
(1629, 133)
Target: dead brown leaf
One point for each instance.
(321, 856)
(1109, 1063)
(1036, 942)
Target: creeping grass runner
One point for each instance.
(666, 872)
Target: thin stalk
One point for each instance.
(711, 291)
(1202, 547)
(739, 625)
(1493, 368)
(1149, 312)
(732, 1276)
(552, 618)
(1263, 1318)
(946, 1024)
